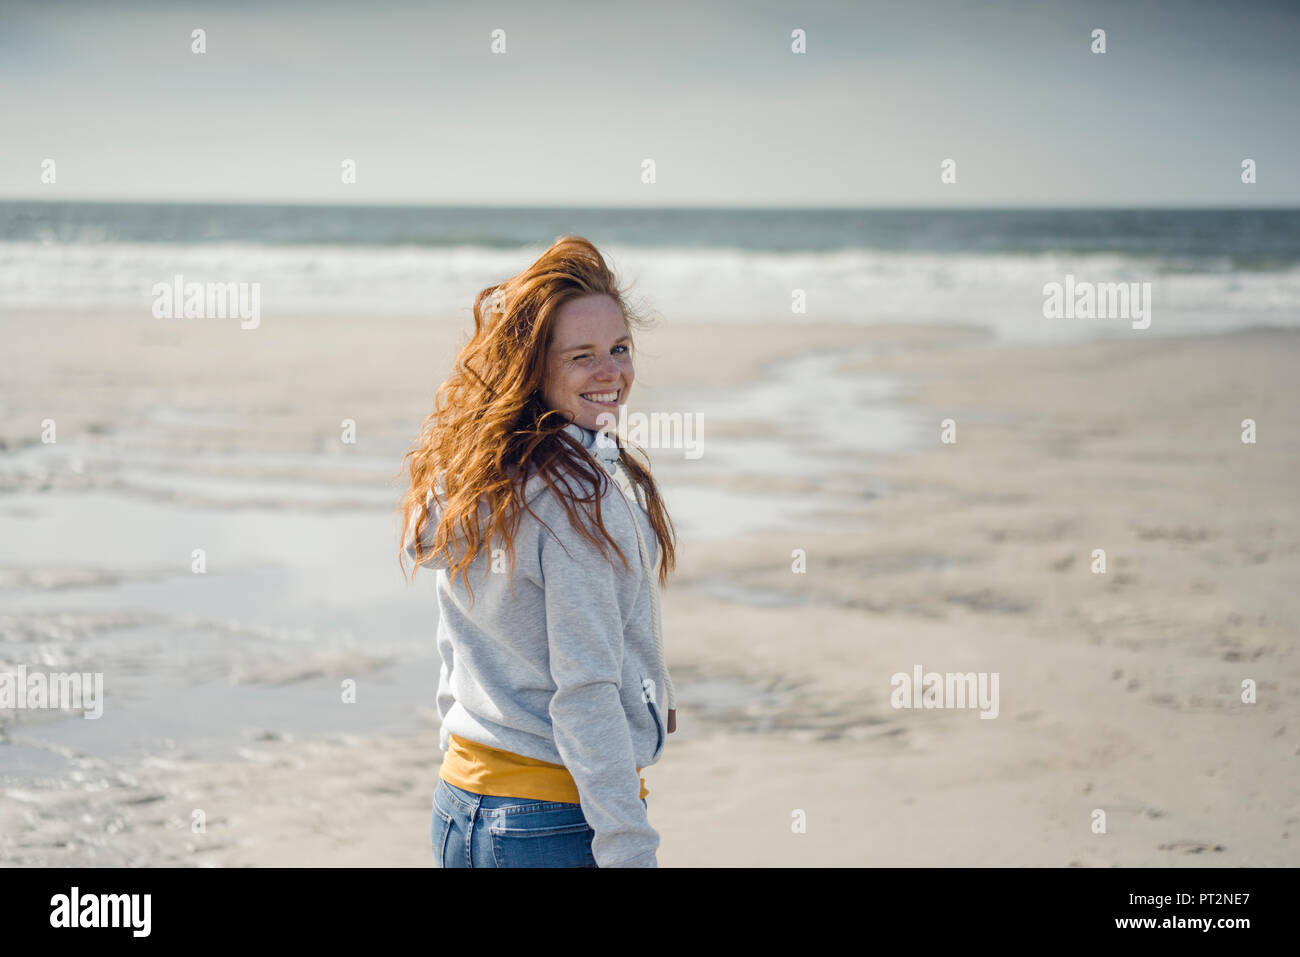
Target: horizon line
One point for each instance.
(1099, 207)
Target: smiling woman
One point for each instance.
(553, 667)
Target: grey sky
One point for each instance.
(710, 91)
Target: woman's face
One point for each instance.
(589, 364)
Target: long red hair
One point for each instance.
(490, 430)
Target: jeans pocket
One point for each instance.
(542, 839)
(441, 830)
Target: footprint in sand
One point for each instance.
(1190, 847)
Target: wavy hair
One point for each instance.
(490, 430)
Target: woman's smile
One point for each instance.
(608, 399)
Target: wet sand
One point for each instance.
(1119, 692)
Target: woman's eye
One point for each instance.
(587, 355)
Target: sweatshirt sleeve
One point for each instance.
(585, 635)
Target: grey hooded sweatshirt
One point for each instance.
(568, 668)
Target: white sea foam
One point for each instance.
(1000, 291)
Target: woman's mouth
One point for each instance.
(606, 399)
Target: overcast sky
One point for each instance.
(709, 90)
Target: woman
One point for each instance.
(553, 684)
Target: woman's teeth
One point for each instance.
(601, 398)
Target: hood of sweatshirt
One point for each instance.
(604, 450)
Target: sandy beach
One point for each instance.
(1119, 692)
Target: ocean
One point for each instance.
(1209, 270)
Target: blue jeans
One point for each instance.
(480, 830)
